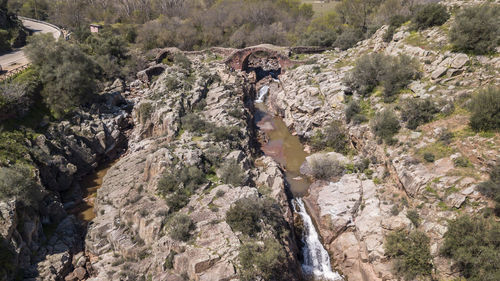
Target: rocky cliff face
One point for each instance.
(356, 212)
(44, 236)
(132, 233)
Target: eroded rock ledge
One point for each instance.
(129, 236)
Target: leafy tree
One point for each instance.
(334, 136)
(385, 125)
(17, 183)
(411, 253)
(476, 29)
(180, 227)
(485, 109)
(68, 75)
(416, 112)
(491, 187)
(473, 243)
(263, 262)
(428, 15)
(244, 215)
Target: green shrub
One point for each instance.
(178, 186)
(397, 74)
(411, 253)
(348, 38)
(428, 15)
(394, 23)
(18, 182)
(169, 260)
(472, 242)
(462, 162)
(395, 210)
(366, 73)
(180, 227)
(68, 75)
(353, 113)
(325, 168)
(413, 216)
(263, 262)
(181, 60)
(491, 188)
(416, 112)
(385, 125)
(372, 70)
(244, 215)
(193, 123)
(231, 173)
(333, 136)
(485, 109)
(476, 29)
(249, 214)
(429, 157)
(145, 111)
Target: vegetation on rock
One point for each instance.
(475, 29)
(392, 73)
(333, 136)
(485, 109)
(385, 125)
(416, 112)
(472, 242)
(410, 252)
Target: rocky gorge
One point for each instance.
(191, 119)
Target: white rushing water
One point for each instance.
(262, 94)
(316, 258)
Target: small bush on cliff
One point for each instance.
(325, 168)
(333, 136)
(410, 253)
(178, 186)
(416, 112)
(372, 70)
(476, 29)
(145, 111)
(244, 215)
(353, 113)
(428, 15)
(473, 243)
(485, 109)
(414, 217)
(263, 262)
(180, 227)
(248, 214)
(491, 187)
(385, 125)
(17, 183)
(193, 123)
(231, 173)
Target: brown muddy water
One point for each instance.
(283, 147)
(89, 185)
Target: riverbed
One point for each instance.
(286, 149)
(89, 185)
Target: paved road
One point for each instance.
(16, 58)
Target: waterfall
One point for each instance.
(262, 93)
(316, 258)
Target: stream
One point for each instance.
(89, 185)
(287, 150)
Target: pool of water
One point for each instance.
(283, 147)
(90, 184)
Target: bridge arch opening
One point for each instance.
(263, 63)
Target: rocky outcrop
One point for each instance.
(45, 236)
(131, 234)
